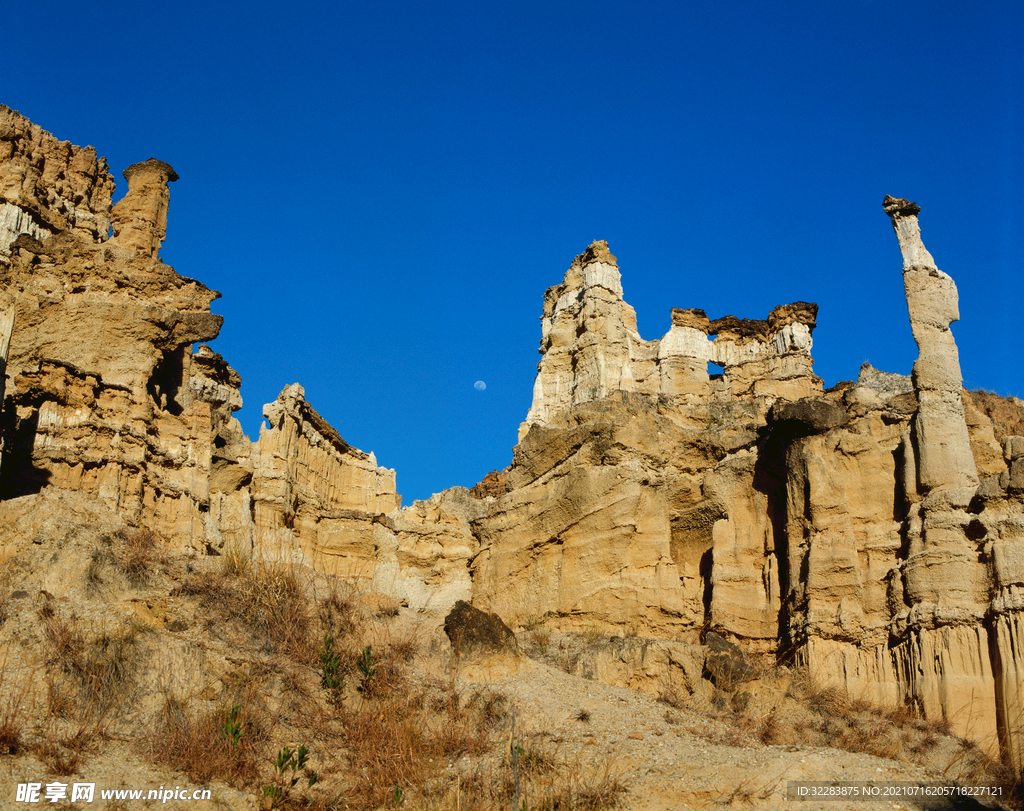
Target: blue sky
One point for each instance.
(383, 191)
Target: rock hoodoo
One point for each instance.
(873, 532)
(139, 220)
(592, 349)
(945, 460)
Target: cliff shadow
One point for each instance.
(770, 479)
(19, 476)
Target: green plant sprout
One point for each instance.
(288, 766)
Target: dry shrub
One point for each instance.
(63, 753)
(132, 551)
(136, 550)
(103, 670)
(541, 639)
(66, 640)
(672, 697)
(59, 698)
(405, 740)
(404, 649)
(339, 612)
(57, 759)
(828, 701)
(547, 781)
(267, 598)
(12, 715)
(969, 765)
(109, 667)
(388, 611)
(770, 731)
(224, 743)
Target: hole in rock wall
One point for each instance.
(715, 371)
(976, 530)
(18, 475)
(166, 382)
(706, 564)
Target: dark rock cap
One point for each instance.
(698, 319)
(897, 207)
(803, 312)
(152, 163)
(597, 252)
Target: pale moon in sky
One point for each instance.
(479, 385)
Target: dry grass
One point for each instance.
(136, 550)
(673, 699)
(406, 737)
(5, 602)
(131, 551)
(12, 715)
(62, 751)
(268, 600)
(385, 735)
(221, 743)
(101, 672)
(548, 780)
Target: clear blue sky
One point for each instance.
(383, 191)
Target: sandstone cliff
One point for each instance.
(843, 529)
(873, 532)
(107, 394)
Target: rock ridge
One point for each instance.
(873, 533)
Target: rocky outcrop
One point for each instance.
(98, 397)
(631, 495)
(592, 349)
(318, 500)
(475, 633)
(945, 461)
(48, 186)
(844, 528)
(900, 554)
(493, 485)
(139, 220)
(659, 667)
(436, 544)
(107, 395)
(873, 532)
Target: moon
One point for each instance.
(479, 385)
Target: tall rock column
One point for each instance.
(139, 219)
(944, 656)
(589, 341)
(944, 458)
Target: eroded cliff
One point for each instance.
(873, 532)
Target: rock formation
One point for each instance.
(592, 349)
(48, 186)
(945, 460)
(873, 532)
(106, 395)
(139, 220)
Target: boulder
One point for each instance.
(476, 634)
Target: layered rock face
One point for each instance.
(873, 532)
(48, 186)
(592, 349)
(318, 500)
(637, 496)
(106, 394)
(908, 589)
(843, 528)
(98, 395)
